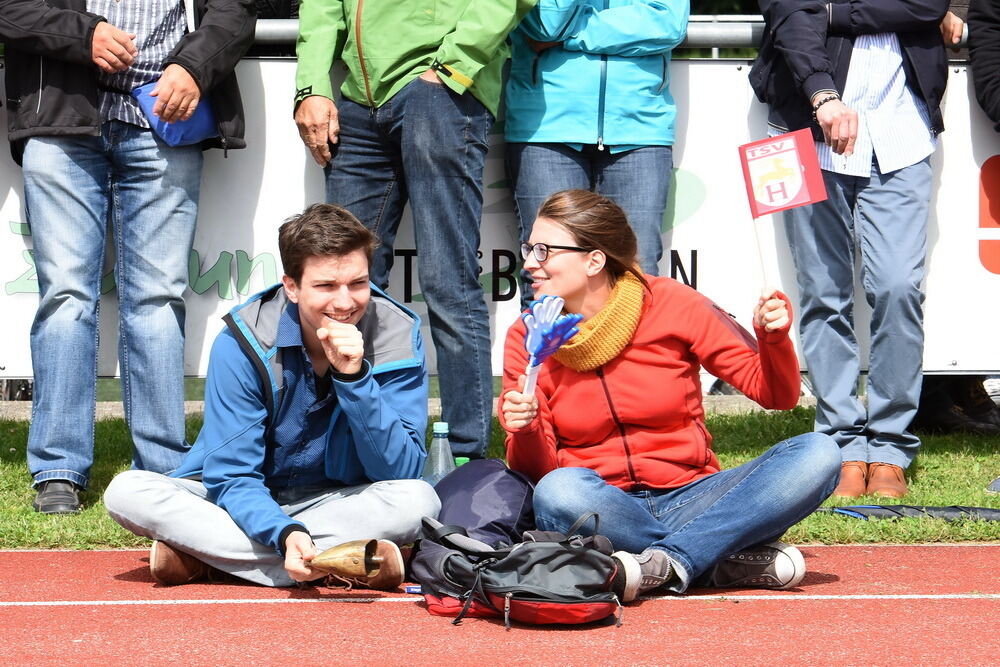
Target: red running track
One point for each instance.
(871, 605)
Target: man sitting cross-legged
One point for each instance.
(315, 411)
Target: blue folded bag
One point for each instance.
(200, 126)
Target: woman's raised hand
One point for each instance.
(771, 312)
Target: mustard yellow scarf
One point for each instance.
(605, 335)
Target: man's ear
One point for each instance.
(596, 259)
(291, 289)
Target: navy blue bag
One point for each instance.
(489, 500)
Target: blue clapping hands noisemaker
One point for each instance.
(547, 331)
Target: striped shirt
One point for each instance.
(158, 26)
(893, 123)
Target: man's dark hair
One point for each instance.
(321, 230)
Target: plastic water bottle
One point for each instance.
(439, 458)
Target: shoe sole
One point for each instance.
(633, 574)
(154, 559)
(62, 509)
(397, 556)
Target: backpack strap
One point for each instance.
(578, 524)
(440, 532)
(455, 537)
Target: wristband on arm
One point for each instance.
(829, 98)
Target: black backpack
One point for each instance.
(549, 578)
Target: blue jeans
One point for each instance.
(637, 180)
(428, 146)
(887, 214)
(74, 187)
(703, 522)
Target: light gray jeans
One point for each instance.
(884, 218)
(178, 511)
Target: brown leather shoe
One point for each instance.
(885, 479)
(375, 564)
(853, 479)
(171, 567)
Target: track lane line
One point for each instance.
(693, 598)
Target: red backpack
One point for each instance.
(549, 578)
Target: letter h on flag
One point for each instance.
(782, 172)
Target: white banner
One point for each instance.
(707, 227)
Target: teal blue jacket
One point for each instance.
(608, 81)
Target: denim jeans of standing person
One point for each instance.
(638, 180)
(427, 145)
(699, 524)
(887, 214)
(78, 190)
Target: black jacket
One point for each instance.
(984, 55)
(51, 80)
(807, 48)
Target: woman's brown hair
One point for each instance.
(598, 224)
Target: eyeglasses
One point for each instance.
(541, 250)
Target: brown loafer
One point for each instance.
(853, 479)
(885, 479)
(171, 567)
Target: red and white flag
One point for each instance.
(782, 172)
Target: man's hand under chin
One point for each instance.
(344, 346)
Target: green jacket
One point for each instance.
(388, 43)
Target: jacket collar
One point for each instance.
(289, 327)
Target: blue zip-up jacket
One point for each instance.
(607, 83)
(808, 44)
(376, 431)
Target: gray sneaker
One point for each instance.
(994, 486)
(640, 573)
(776, 565)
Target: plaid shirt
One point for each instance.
(158, 26)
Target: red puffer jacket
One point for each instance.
(639, 420)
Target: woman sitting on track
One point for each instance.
(616, 425)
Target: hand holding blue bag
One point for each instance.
(199, 127)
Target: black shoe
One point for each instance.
(976, 402)
(57, 496)
(723, 388)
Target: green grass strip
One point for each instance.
(950, 470)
